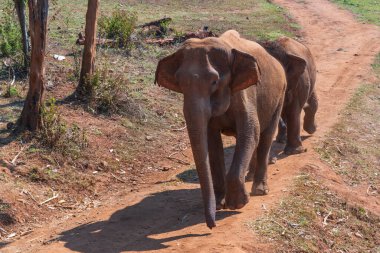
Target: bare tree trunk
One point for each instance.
(20, 9)
(89, 52)
(38, 13)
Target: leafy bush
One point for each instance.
(56, 135)
(119, 27)
(11, 92)
(106, 91)
(108, 94)
(10, 33)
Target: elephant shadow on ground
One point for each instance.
(143, 226)
(190, 175)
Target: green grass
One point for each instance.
(253, 18)
(367, 10)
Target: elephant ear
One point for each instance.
(295, 67)
(166, 70)
(245, 71)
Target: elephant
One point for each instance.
(233, 86)
(300, 68)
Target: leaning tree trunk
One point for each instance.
(38, 13)
(89, 52)
(20, 9)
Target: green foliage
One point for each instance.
(368, 10)
(11, 92)
(164, 27)
(56, 135)
(119, 27)
(10, 33)
(75, 74)
(105, 91)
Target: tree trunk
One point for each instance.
(89, 52)
(38, 13)
(20, 9)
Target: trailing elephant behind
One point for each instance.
(300, 69)
(230, 85)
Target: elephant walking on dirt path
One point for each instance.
(233, 86)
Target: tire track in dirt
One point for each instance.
(170, 217)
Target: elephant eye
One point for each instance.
(214, 83)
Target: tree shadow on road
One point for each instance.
(137, 227)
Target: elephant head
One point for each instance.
(207, 72)
(294, 65)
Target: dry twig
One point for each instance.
(30, 195)
(13, 162)
(170, 157)
(179, 129)
(324, 223)
(49, 199)
(118, 179)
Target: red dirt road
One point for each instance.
(169, 217)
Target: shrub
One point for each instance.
(105, 91)
(11, 92)
(10, 33)
(119, 27)
(56, 135)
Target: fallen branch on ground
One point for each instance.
(13, 162)
(49, 199)
(324, 223)
(201, 34)
(118, 179)
(157, 23)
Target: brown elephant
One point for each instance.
(230, 85)
(300, 69)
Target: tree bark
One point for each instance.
(89, 52)
(30, 117)
(20, 9)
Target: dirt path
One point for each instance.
(170, 217)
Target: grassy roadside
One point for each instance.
(313, 219)
(351, 148)
(366, 10)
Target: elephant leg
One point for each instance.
(281, 135)
(260, 184)
(310, 110)
(246, 142)
(216, 158)
(251, 169)
(294, 144)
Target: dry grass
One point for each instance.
(352, 147)
(313, 219)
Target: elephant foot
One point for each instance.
(273, 160)
(220, 202)
(259, 189)
(310, 128)
(249, 176)
(294, 150)
(281, 138)
(236, 196)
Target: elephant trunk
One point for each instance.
(197, 114)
